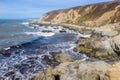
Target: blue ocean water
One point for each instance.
(23, 47)
(13, 32)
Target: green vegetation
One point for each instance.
(69, 21)
(118, 8)
(84, 18)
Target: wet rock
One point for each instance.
(56, 28)
(1, 78)
(15, 78)
(46, 31)
(78, 70)
(9, 74)
(63, 30)
(5, 53)
(56, 58)
(60, 57)
(16, 46)
(49, 61)
(23, 70)
(25, 65)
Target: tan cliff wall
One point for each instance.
(89, 15)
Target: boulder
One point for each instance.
(78, 70)
(46, 31)
(45, 75)
(5, 53)
(113, 73)
(60, 57)
(94, 47)
(103, 43)
(9, 73)
(56, 58)
(63, 30)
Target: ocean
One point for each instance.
(23, 47)
(13, 32)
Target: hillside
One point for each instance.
(101, 22)
(89, 15)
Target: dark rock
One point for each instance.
(17, 78)
(56, 58)
(5, 53)
(49, 61)
(9, 74)
(25, 65)
(23, 70)
(63, 30)
(46, 31)
(1, 78)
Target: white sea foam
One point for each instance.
(36, 25)
(23, 57)
(7, 48)
(44, 34)
(85, 35)
(25, 23)
(47, 34)
(44, 28)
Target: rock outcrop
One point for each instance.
(78, 70)
(104, 42)
(56, 58)
(102, 22)
(89, 15)
(59, 57)
(113, 73)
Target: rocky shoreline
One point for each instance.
(81, 70)
(23, 61)
(102, 23)
(103, 41)
(103, 44)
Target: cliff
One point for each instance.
(103, 44)
(89, 15)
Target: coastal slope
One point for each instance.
(102, 22)
(88, 15)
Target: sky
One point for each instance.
(22, 9)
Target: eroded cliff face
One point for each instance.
(89, 15)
